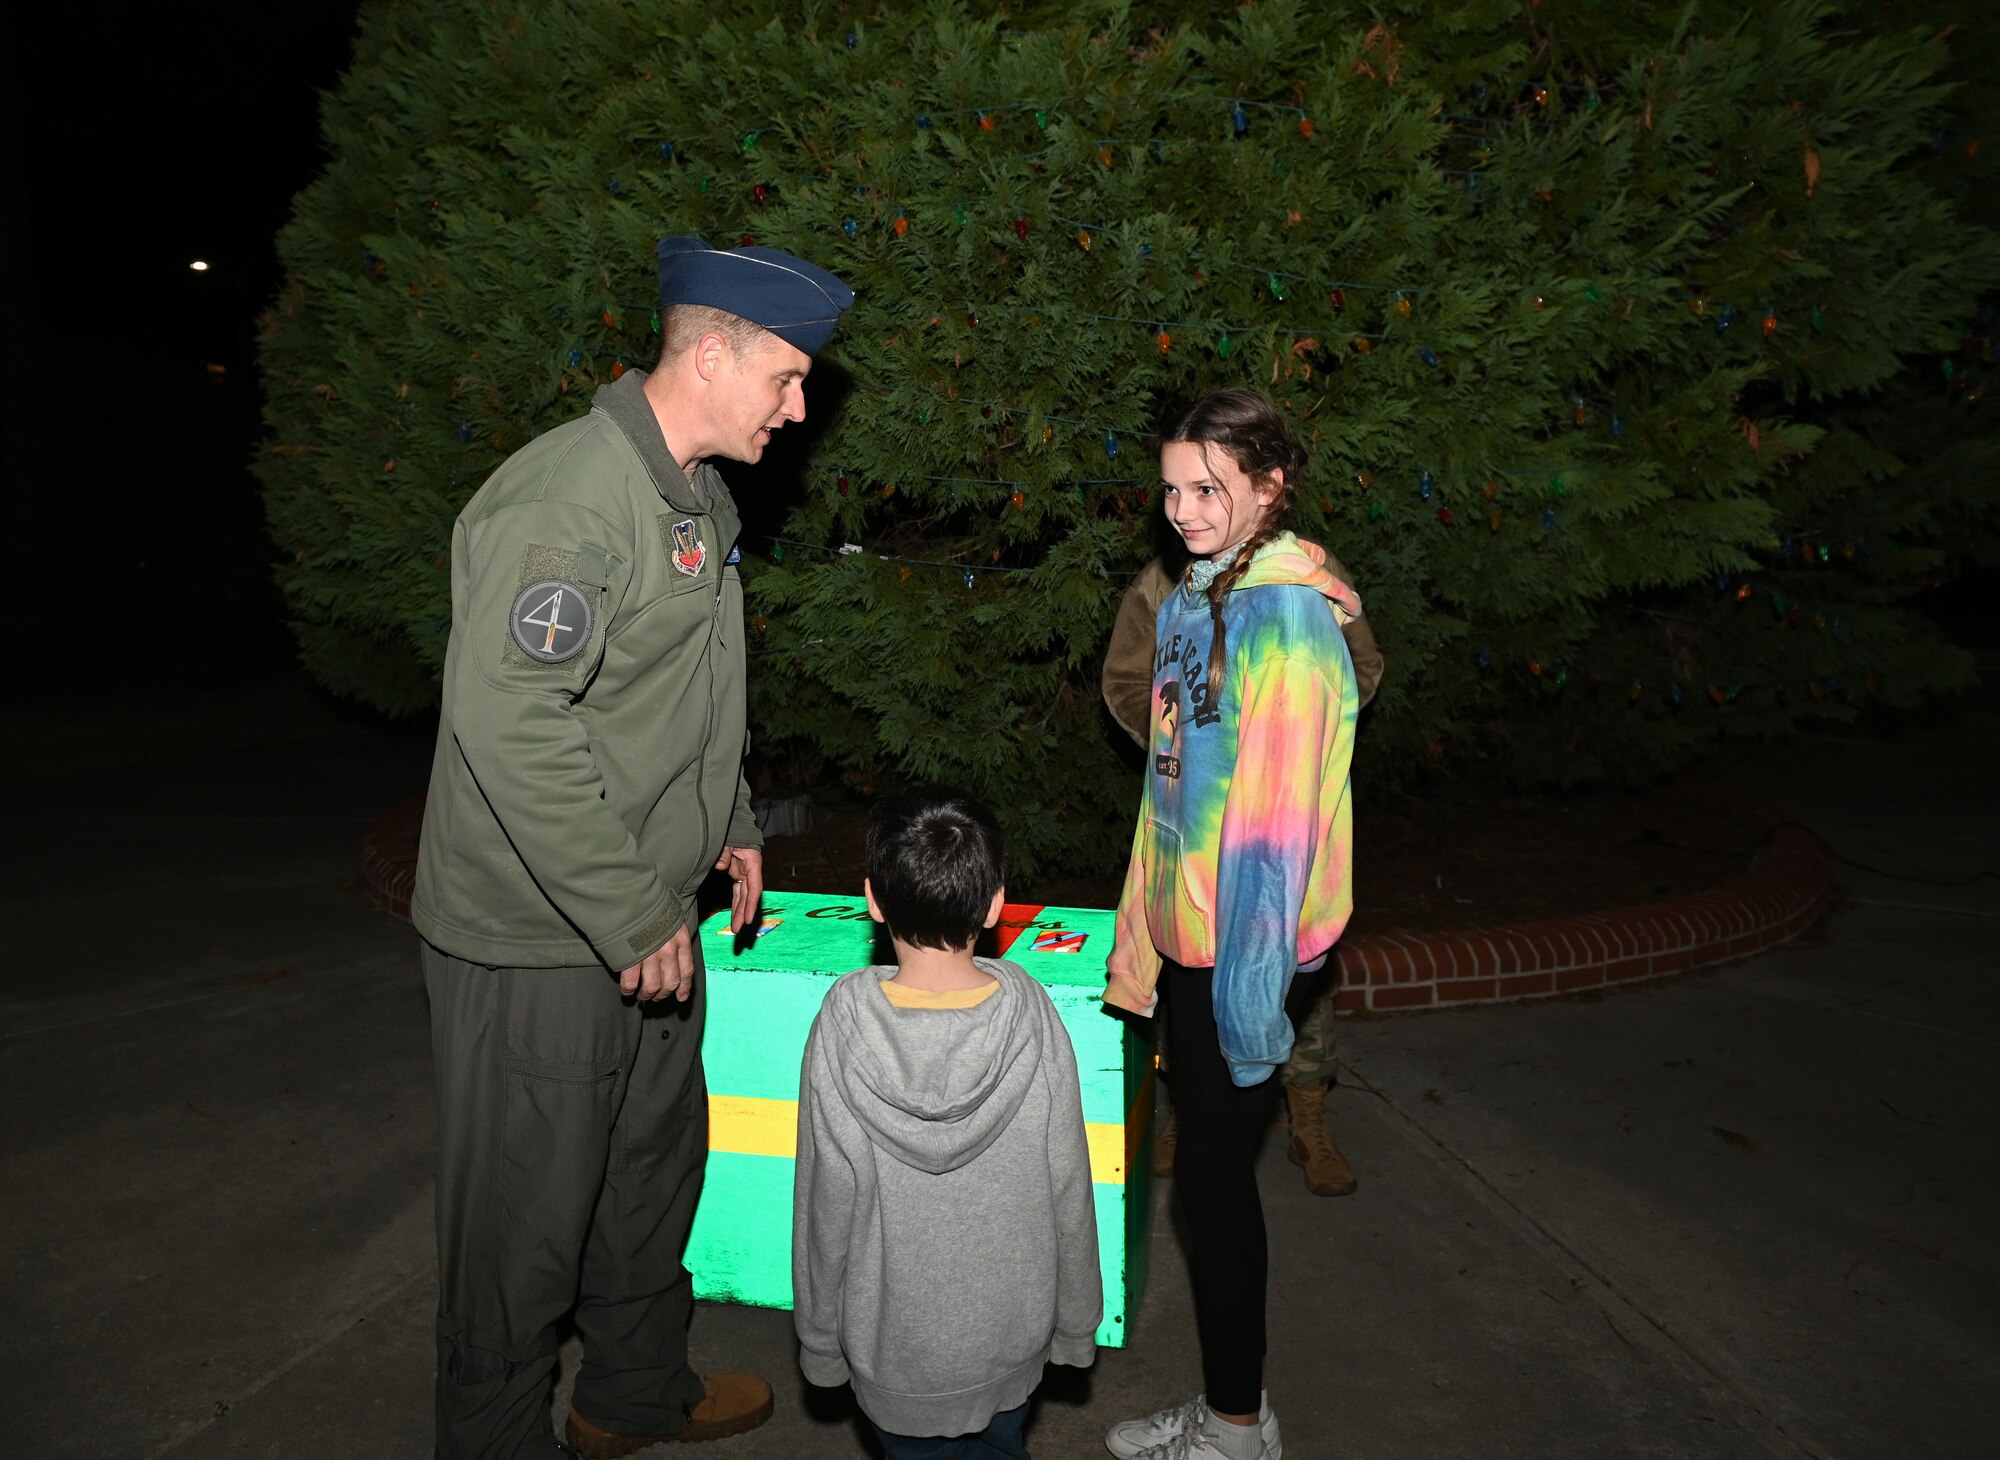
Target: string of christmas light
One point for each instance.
(1158, 147)
(1091, 231)
(1723, 320)
(1724, 317)
(1550, 675)
(1017, 487)
(986, 114)
(1362, 342)
(1366, 476)
(966, 571)
(1109, 231)
(1555, 679)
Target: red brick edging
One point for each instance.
(1777, 899)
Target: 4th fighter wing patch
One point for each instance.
(551, 620)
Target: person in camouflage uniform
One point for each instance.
(1315, 1060)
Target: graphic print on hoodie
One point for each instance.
(944, 1235)
(1241, 861)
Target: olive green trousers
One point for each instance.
(572, 1137)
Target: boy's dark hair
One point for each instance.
(935, 859)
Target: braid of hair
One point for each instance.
(1218, 591)
(1259, 440)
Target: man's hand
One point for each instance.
(745, 866)
(667, 972)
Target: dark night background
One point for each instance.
(138, 139)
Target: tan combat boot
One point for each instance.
(1327, 1171)
(730, 1405)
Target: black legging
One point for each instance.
(1215, 1171)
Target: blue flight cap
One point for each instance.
(798, 302)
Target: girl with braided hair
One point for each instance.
(1240, 877)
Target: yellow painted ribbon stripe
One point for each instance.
(749, 1126)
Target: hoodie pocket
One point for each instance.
(1178, 909)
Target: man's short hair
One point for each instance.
(935, 859)
(682, 325)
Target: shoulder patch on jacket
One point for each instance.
(553, 618)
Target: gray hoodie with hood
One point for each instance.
(944, 1240)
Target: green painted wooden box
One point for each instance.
(763, 995)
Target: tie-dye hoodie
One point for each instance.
(1241, 861)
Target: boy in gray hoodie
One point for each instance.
(944, 1241)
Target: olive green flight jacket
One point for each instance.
(1127, 678)
(575, 806)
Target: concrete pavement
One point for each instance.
(1745, 1213)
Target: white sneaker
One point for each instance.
(1156, 1436)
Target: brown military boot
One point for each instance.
(1327, 1171)
(1164, 1141)
(733, 1404)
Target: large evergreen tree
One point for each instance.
(1592, 315)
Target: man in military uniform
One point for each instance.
(588, 776)
(1128, 691)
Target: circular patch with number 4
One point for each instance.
(551, 620)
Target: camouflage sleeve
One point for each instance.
(1128, 661)
(1361, 646)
